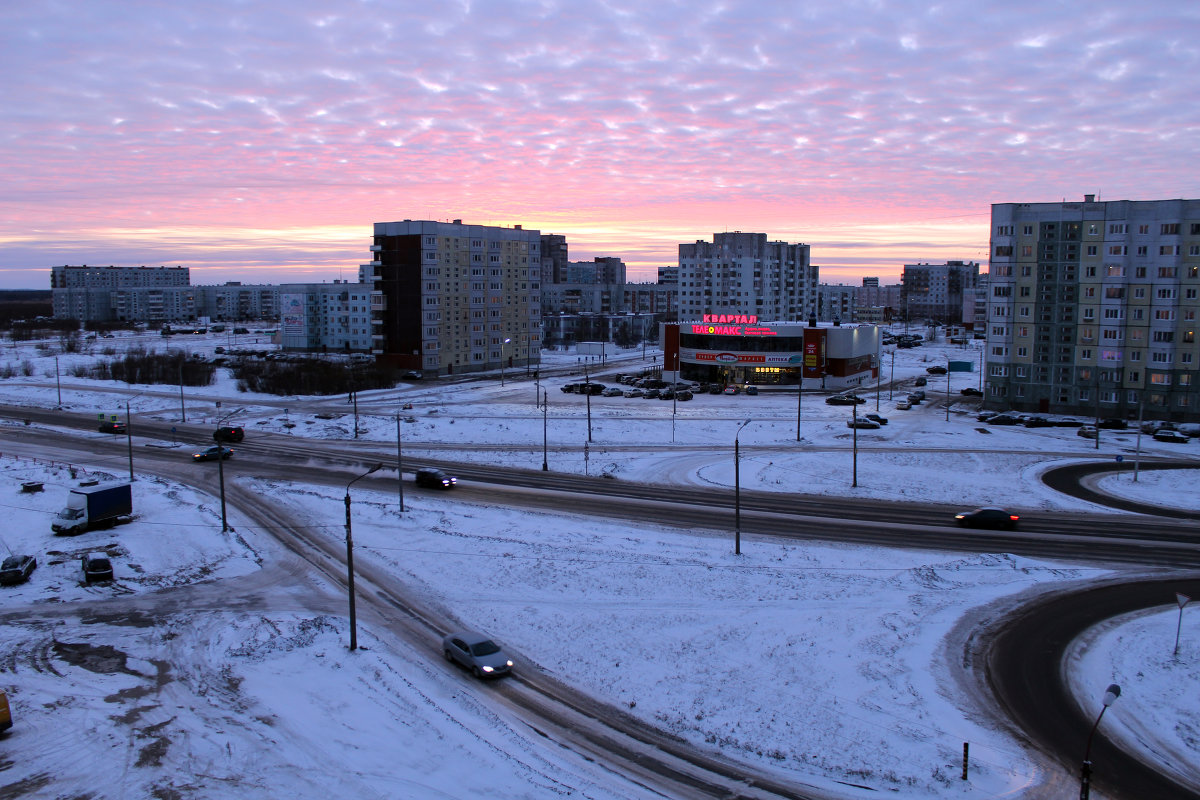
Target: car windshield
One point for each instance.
(10, 563)
(98, 563)
(70, 513)
(484, 648)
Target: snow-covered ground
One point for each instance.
(826, 663)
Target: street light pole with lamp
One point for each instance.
(1085, 779)
(737, 492)
(350, 556)
(503, 358)
(221, 464)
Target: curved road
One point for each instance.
(1022, 655)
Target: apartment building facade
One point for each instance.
(326, 317)
(938, 292)
(1092, 308)
(744, 273)
(449, 298)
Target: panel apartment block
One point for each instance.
(1092, 308)
(743, 273)
(450, 298)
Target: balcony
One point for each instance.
(376, 248)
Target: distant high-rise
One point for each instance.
(451, 298)
(1092, 308)
(937, 291)
(743, 273)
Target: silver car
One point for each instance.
(477, 653)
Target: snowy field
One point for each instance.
(830, 665)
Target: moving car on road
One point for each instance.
(229, 433)
(844, 400)
(213, 453)
(864, 424)
(477, 653)
(987, 518)
(435, 479)
(112, 427)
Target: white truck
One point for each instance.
(92, 507)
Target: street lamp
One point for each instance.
(350, 555)
(221, 464)
(737, 492)
(545, 429)
(399, 463)
(1085, 784)
(503, 358)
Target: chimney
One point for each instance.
(1089, 198)
(458, 222)
(516, 227)
(812, 320)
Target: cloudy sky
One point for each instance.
(259, 141)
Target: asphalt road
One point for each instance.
(1021, 655)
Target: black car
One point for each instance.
(112, 427)
(229, 433)
(16, 569)
(936, 370)
(413, 375)
(844, 400)
(1004, 419)
(96, 567)
(971, 391)
(920, 381)
(213, 453)
(1112, 424)
(863, 423)
(987, 518)
(435, 479)
(682, 395)
(1036, 422)
(877, 418)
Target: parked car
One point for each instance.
(1167, 435)
(1004, 419)
(903, 405)
(413, 375)
(844, 400)
(1034, 421)
(716, 388)
(16, 569)
(936, 370)
(915, 399)
(920, 381)
(919, 394)
(229, 433)
(984, 416)
(733, 390)
(477, 653)
(112, 427)
(435, 479)
(970, 391)
(751, 390)
(683, 394)
(611, 391)
(877, 418)
(213, 453)
(1113, 424)
(862, 424)
(96, 567)
(592, 388)
(666, 394)
(652, 394)
(570, 388)
(635, 393)
(987, 518)
(1088, 432)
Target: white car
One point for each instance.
(903, 405)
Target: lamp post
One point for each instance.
(503, 359)
(399, 463)
(545, 429)
(221, 464)
(1085, 783)
(129, 439)
(350, 556)
(854, 433)
(737, 492)
(58, 383)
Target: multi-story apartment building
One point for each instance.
(836, 301)
(1092, 308)
(326, 317)
(122, 294)
(451, 298)
(743, 273)
(937, 291)
(236, 301)
(554, 258)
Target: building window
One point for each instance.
(1027, 230)
(1117, 228)
(1117, 250)
(1170, 229)
(1168, 250)
(1167, 272)
(1004, 251)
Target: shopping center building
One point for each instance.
(738, 349)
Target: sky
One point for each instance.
(260, 141)
(831, 666)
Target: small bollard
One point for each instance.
(966, 748)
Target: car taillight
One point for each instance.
(1013, 517)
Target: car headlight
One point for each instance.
(509, 663)
(489, 669)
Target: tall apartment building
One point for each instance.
(554, 258)
(1092, 308)
(743, 273)
(449, 298)
(938, 291)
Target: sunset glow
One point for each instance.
(259, 143)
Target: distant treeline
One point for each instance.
(311, 377)
(26, 304)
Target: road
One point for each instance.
(1019, 656)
